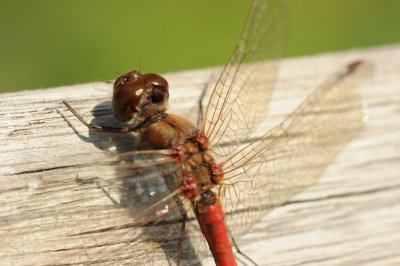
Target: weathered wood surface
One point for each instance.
(351, 217)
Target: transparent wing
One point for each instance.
(241, 97)
(271, 169)
(147, 186)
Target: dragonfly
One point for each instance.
(212, 183)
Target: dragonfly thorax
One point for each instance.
(198, 169)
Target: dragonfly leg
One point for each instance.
(182, 237)
(183, 212)
(169, 181)
(98, 128)
(241, 252)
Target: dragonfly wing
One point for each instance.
(161, 222)
(240, 99)
(147, 187)
(271, 169)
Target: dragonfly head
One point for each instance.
(137, 96)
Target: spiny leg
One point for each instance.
(183, 228)
(171, 183)
(183, 212)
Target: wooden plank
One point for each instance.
(350, 217)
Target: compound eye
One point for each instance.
(125, 79)
(121, 80)
(159, 86)
(127, 93)
(156, 81)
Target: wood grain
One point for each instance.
(351, 217)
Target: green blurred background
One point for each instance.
(46, 43)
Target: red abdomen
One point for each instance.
(212, 223)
